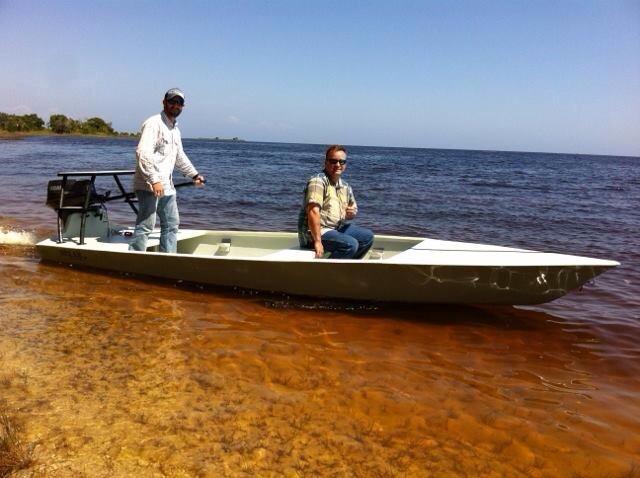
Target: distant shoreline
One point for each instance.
(217, 138)
(16, 135)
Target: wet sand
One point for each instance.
(116, 376)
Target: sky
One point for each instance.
(518, 75)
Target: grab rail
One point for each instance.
(65, 175)
(128, 196)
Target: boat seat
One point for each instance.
(295, 254)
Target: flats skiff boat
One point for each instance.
(403, 269)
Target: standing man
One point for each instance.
(158, 152)
(328, 205)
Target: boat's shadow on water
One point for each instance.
(492, 316)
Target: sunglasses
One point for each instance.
(176, 102)
(342, 162)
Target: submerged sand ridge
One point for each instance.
(114, 376)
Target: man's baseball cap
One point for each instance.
(173, 92)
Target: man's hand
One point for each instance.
(351, 212)
(158, 190)
(319, 248)
(199, 180)
(313, 214)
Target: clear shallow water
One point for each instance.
(128, 377)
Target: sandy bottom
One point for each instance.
(113, 376)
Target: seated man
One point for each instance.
(327, 207)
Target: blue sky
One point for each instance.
(535, 75)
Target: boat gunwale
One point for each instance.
(194, 234)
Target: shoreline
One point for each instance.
(17, 135)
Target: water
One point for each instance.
(113, 375)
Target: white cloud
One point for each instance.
(233, 119)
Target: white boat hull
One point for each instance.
(407, 269)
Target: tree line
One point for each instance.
(59, 124)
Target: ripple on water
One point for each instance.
(124, 376)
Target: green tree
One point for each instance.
(61, 124)
(4, 120)
(58, 123)
(96, 126)
(31, 122)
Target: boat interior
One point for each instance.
(275, 245)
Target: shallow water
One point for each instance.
(113, 375)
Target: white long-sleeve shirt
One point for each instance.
(158, 152)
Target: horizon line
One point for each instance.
(240, 140)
